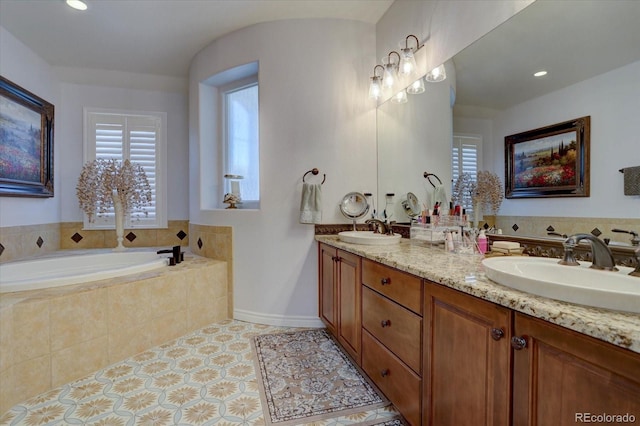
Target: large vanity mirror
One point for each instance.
(491, 80)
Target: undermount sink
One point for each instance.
(369, 238)
(576, 284)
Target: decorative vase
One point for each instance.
(119, 217)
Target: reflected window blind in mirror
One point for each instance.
(465, 158)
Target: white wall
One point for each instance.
(118, 93)
(314, 112)
(612, 101)
(23, 67)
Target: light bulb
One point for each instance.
(400, 97)
(77, 4)
(437, 74)
(389, 75)
(416, 87)
(374, 88)
(407, 62)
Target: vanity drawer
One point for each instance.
(397, 328)
(397, 381)
(401, 287)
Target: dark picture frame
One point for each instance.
(26, 143)
(551, 161)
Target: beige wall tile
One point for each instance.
(32, 377)
(31, 329)
(128, 304)
(167, 327)
(77, 361)
(8, 397)
(78, 317)
(168, 294)
(6, 339)
(127, 342)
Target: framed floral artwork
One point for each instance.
(26, 143)
(551, 161)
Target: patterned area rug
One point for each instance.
(307, 377)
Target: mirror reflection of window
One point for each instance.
(465, 158)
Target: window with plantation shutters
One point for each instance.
(140, 138)
(465, 156)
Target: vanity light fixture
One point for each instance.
(416, 87)
(400, 97)
(77, 4)
(407, 59)
(375, 87)
(390, 67)
(437, 74)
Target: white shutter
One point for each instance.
(465, 157)
(140, 139)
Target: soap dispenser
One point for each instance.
(482, 242)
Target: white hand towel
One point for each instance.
(440, 195)
(311, 203)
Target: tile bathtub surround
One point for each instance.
(214, 242)
(205, 377)
(53, 336)
(466, 273)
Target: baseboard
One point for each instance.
(277, 320)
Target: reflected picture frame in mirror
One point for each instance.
(551, 161)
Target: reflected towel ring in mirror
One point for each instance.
(428, 177)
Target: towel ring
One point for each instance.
(428, 177)
(314, 172)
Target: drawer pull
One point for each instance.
(385, 323)
(385, 281)
(385, 372)
(497, 333)
(518, 343)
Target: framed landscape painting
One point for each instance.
(551, 161)
(26, 143)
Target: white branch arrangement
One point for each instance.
(489, 192)
(110, 183)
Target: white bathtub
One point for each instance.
(69, 269)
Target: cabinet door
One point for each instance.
(328, 292)
(466, 359)
(349, 302)
(564, 378)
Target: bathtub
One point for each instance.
(66, 269)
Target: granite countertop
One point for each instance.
(466, 273)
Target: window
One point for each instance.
(465, 155)
(140, 138)
(240, 136)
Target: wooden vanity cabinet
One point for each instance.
(467, 359)
(561, 376)
(392, 335)
(340, 297)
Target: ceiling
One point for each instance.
(572, 39)
(154, 37)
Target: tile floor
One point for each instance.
(204, 378)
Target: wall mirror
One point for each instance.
(575, 40)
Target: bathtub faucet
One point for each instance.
(177, 255)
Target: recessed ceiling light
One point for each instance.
(540, 73)
(77, 4)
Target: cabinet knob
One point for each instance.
(518, 342)
(497, 333)
(385, 372)
(385, 323)
(385, 281)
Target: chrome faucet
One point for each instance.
(636, 272)
(601, 256)
(379, 227)
(635, 239)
